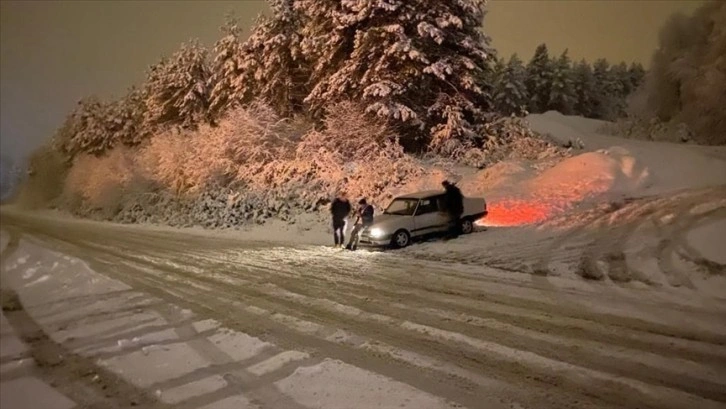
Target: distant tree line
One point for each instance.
(547, 83)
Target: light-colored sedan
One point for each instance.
(418, 214)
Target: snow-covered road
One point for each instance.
(198, 320)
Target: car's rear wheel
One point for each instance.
(401, 239)
(467, 226)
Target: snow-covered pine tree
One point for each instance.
(272, 62)
(636, 75)
(510, 90)
(621, 76)
(607, 91)
(176, 89)
(622, 87)
(85, 129)
(126, 124)
(497, 71)
(416, 63)
(585, 89)
(562, 94)
(227, 83)
(539, 79)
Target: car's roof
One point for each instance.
(421, 195)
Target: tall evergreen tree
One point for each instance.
(539, 79)
(636, 74)
(126, 122)
(227, 83)
(177, 88)
(562, 94)
(498, 68)
(85, 130)
(607, 91)
(414, 62)
(273, 64)
(585, 89)
(621, 78)
(510, 91)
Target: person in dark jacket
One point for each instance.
(364, 219)
(340, 210)
(454, 206)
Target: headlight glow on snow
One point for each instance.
(376, 232)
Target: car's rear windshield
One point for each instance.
(402, 207)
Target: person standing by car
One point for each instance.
(363, 220)
(340, 210)
(454, 206)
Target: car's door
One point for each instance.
(428, 217)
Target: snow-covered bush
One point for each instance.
(499, 139)
(251, 167)
(349, 152)
(100, 185)
(187, 163)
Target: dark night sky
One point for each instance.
(53, 53)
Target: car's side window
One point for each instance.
(427, 206)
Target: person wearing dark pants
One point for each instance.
(454, 202)
(340, 210)
(363, 220)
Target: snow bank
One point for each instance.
(671, 166)
(708, 241)
(516, 195)
(609, 170)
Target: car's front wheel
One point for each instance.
(467, 226)
(401, 239)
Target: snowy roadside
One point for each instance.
(665, 242)
(178, 358)
(600, 215)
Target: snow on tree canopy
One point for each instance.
(562, 93)
(510, 90)
(539, 79)
(272, 65)
(227, 85)
(414, 62)
(176, 88)
(585, 89)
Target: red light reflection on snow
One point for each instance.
(560, 189)
(541, 204)
(511, 212)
